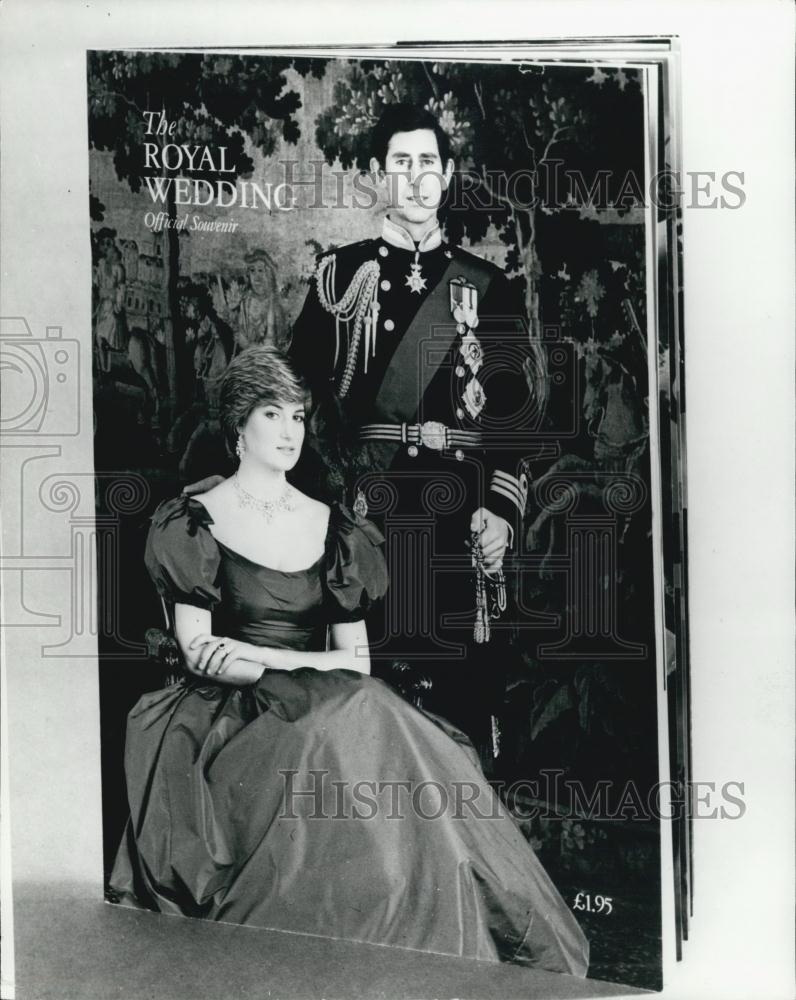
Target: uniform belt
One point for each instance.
(431, 434)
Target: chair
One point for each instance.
(162, 648)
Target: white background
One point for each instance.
(738, 114)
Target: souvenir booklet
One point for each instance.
(233, 203)
(381, 559)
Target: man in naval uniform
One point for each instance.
(417, 341)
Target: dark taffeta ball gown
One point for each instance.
(319, 801)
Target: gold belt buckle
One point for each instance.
(433, 434)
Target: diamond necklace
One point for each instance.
(268, 508)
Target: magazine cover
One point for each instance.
(351, 568)
(452, 254)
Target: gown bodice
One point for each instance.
(253, 602)
(271, 607)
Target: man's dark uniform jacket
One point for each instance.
(424, 347)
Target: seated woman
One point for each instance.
(279, 785)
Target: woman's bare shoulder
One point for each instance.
(216, 498)
(315, 511)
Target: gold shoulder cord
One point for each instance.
(359, 303)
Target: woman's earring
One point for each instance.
(239, 449)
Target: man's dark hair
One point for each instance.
(405, 118)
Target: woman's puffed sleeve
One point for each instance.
(356, 573)
(182, 556)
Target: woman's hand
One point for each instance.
(225, 658)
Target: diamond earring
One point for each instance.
(239, 449)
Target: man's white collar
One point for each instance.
(397, 236)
